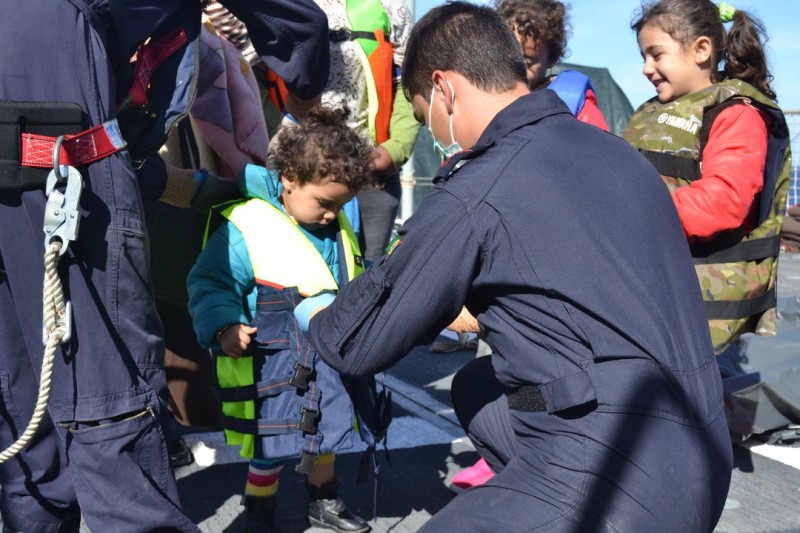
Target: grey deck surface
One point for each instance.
(427, 449)
(764, 496)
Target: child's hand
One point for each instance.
(235, 339)
(309, 307)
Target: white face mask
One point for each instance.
(444, 152)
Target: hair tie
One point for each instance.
(726, 12)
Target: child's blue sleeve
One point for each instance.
(353, 214)
(220, 285)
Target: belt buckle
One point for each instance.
(341, 35)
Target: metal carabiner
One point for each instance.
(56, 157)
(61, 216)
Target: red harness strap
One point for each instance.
(103, 140)
(79, 149)
(148, 57)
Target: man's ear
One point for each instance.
(437, 79)
(443, 88)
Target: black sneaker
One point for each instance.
(180, 454)
(327, 510)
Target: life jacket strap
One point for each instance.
(673, 166)
(733, 309)
(345, 34)
(262, 426)
(262, 389)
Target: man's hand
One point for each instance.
(235, 339)
(180, 188)
(197, 189)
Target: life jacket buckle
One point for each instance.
(309, 421)
(301, 377)
(306, 463)
(340, 35)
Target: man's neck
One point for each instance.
(482, 107)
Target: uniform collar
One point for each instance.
(523, 111)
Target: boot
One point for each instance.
(259, 514)
(327, 510)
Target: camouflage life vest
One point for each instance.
(737, 272)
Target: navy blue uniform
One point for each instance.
(567, 247)
(101, 449)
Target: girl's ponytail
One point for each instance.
(744, 55)
(741, 49)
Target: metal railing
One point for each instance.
(793, 120)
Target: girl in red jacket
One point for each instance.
(722, 146)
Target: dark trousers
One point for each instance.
(378, 212)
(584, 470)
(101, 447)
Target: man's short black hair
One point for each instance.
(471, 40)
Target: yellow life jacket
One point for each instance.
(266, 229)
(282, 259)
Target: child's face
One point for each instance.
(673, 69)
(315, 204)
(537, 59)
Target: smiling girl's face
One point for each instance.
(673, 69)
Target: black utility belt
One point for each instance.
(527, 398)
(42, 118)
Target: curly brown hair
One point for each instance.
(323, 146)
(541, 20)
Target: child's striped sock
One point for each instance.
(262, 478)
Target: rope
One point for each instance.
(53, 313)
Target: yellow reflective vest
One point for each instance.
(258, 399)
